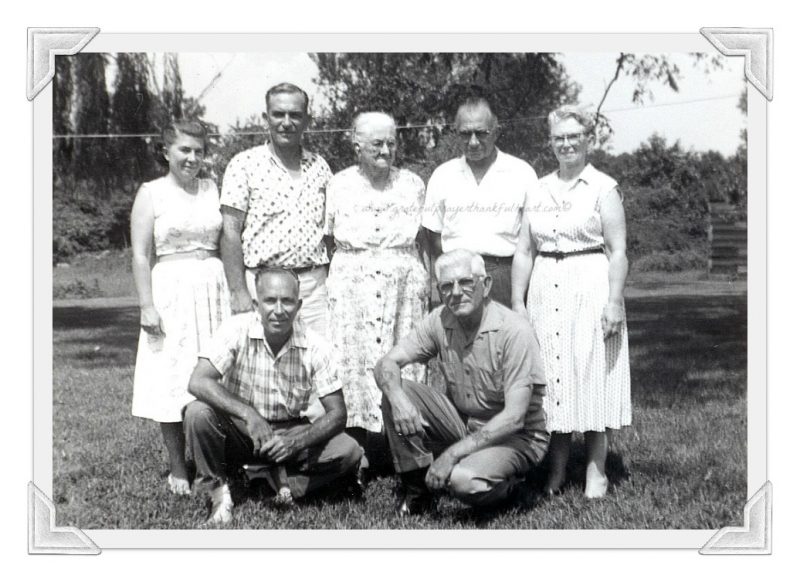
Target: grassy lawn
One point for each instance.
(682, 464)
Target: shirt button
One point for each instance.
(558, 333)
(378, 295)
(466, 372)
(558, 380)
(378, 340)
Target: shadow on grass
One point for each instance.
(687, 350)
(96, 337)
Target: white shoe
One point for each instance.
(221, 506)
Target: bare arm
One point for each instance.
(612, 217)
(521, 267)
(233, 258)
(407, 419)
(435, 249)
(142, 221)
(505, 423)
(205, 385)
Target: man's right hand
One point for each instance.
(258, 429)
(241, 301)
(407, 419)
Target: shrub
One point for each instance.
(671, 261)
(77, 290)
(662, 220)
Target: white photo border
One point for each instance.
(369, 42)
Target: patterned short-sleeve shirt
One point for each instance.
(481, 369)
(284, 216)
(279, 386)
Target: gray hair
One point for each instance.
(477, 266)
(473, 103)
(363, 120)
(579, 114)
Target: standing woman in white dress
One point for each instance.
(575, 247)
(183, 295)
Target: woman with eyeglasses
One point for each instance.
(571, 257)
(183, 295)
(377, 284)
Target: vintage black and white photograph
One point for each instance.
(392, 290)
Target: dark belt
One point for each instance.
(296, 270)
(558, 255)
(493, 260)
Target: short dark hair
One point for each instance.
(472, 103)
(286, 88)
(192, 127)
(277, 271)
(169, 135)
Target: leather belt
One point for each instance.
(558, 255)
(493, 260)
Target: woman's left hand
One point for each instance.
(612, 318)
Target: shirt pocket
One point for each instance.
(492, 386)
(453, 374)
(266, 202)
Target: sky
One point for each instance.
(703, 115)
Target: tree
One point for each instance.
(91, 158)
(423, 90)
(132, 109)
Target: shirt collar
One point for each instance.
(498, 163)
(588, 174)
(306, 156)
(492, 319)
(298, 338)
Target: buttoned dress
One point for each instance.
(191, 297)
(588, 377)
(377, 286)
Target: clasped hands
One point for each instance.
(275, 448)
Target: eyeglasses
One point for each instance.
(567, 138)
(480, 134)
(466, 284)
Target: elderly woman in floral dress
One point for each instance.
(377, 285)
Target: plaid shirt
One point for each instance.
(284, 217)
(278, 386)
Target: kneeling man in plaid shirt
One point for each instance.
(251, 386)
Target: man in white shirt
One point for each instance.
(475, 202)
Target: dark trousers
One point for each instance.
(482, 478)
(499, 269)
(217, 442)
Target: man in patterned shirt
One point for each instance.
(251, 385)
(273, 203)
